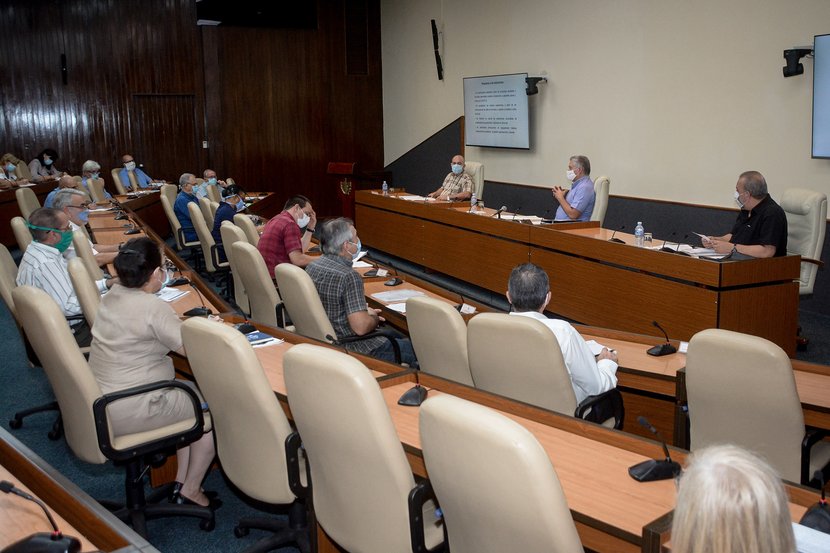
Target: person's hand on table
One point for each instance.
(721, 246)
(607, 354)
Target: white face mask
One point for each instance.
(130, 166)
(738, 199)
(571, 175)
(303, 221)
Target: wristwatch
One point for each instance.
(311, 230)
(734, 249)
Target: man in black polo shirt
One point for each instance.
(761, 227)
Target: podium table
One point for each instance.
(593, 281)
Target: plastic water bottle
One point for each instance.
(473, 203)
(385, 188)
(639, 234)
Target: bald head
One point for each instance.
(67, 182)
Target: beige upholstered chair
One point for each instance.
(250, 426)
(22, 234)
(83, 251)
(175, 225)
(96, 190)
(262, 294)
(207, 214)
(84, 412)
(85, 289)
(209, 250)
(601, 188)
(213, 193)
(169, 191)
(806, 212)
(116, 181)
(22, 170)
(439, 337)
(244, 222)
(476, 171)
(512, 501)
(8, 282)
(26, 201)
(359, 472)
(231, 234)
(741, 390)
(520, 358)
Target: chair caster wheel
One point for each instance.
(208, 525)
(240, 532)
(54, 435)
(15, 424)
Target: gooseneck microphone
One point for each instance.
(653, 470)
(661, 349)
(617, 240)
(817, 517)
(203, 311)
(42, 541)
(499, 212)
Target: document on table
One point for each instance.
(360, 265)
(397, 307)
(397, 295)
(171, 294)
(595, 347)
(415, 198)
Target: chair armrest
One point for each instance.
(374, 334)
(603, 406)
(418, 496)
(99, 410)
(818, 262)
(811, 438)
(293, 445)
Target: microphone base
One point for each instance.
(414, 396)
(616, 240)
(662, 349)
(653, 470)
(46, 543)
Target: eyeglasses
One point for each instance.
(84, 205)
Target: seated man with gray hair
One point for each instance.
(65, 182)
(761, 227)
(186, 183)
(528, 292)
(92, 171)
(75, 204)
(44, 267)
(341, 291)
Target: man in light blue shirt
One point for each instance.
(141, 178)
(576, 204)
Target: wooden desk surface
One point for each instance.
(76, 513)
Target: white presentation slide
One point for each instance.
(495, 111)
(821, 96)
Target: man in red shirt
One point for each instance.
(286, 237)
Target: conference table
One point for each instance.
(76, 514)
(593, 280)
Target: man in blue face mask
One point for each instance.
(231, 204)
(341, 292)
(44, 267)
(75, 204)
(457, 185)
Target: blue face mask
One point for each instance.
(84, 216)
(240, 205)
(10, 167)
(457, 168)
(94, 176)
(357, 251)
(47, 161)
(212, 180)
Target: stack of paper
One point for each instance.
(397, 295)
(171, 294)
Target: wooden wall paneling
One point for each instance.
(166, 119)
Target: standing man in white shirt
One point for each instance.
(529, 294)
(44, 267)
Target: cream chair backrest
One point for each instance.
(439, 336)
(601, 188)
(69, 375)
(249, 424)
(244, 222)
(303, 303)
(231, 234)
(741, 390)
(116, 181)
(214, 207)
(205, 238)
(175, 225)
(170, 191)
(519, 358)
(81, 244)
(8, 278)
(26, 201)
(96, 189)
(21, 233)
(85, 289)
(23, 171)
(476, 171)
(806, 212)
(207, 214)
(213, 193)
(262, 294)
(516, 478)
(359, 471)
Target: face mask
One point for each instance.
(457, 168)
(167, 278)
(571, 175)
(738, 199)
(240, 205)
(130, 166)
(66, 239)
(212, 180)
(10, 168)
(47, 161)
(357, 251)
(303, 222)
(84, 216)
(94, 176)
